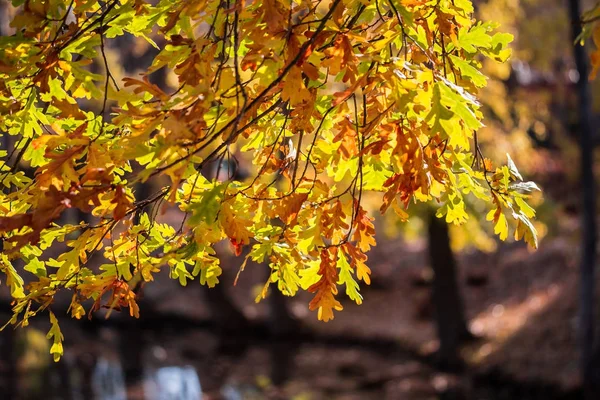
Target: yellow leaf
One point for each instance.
(57, 338)
(501, 228)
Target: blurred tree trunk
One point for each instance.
(85, 370)
(132, 344)
(227, 318)
(131, 341)
(447, 302)
(131, 349)
(590, 367)
(281, 322)
(9, 373)
(283, 328)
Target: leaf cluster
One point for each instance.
(319, 101)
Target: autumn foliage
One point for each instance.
(318, 101)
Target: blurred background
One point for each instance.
(506, 326)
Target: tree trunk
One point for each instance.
(282, 329)
(448, 305)
(228, 319)
(281, 322)
(589, 364)
(9, 373)
(131, 346)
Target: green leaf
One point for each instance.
(260, 251)
(205, 206)
(209, 272)
(525, 208)
(36, 267)
(468, 71)
(459, 102)
(179, 271)
(499, 47)
(345, 278)
(439, 118)
(13, 279)
(477, 36)
(188, 251)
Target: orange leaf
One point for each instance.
(326, 288)
(123, 203)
